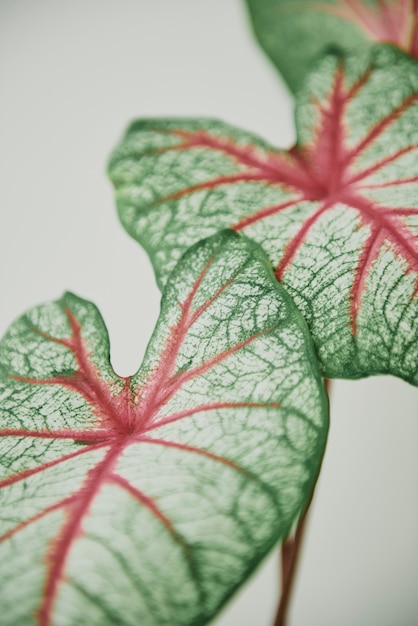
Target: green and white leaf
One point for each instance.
(148, 499)
(337, 214)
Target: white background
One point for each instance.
(73, 74)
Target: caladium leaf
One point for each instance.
(294, 33)
(337, 214)
(148, 499)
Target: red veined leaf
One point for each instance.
(337, 214)
(294, 33)
(149, 499)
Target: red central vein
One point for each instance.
(329, 155)
(339, 190)
(318, 173)
(308, 174)
(167, 361)
(85, 381)
(164, 383)
(99, 388)
(59, 549)
(333, 170)
(328, 159)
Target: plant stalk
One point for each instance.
(290, 554)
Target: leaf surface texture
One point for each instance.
(149, 499)
(337, 214)
(294, 33)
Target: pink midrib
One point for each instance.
(86, 380)
(78, 504)
(164, 382)
(59, 550)
(161, 385)
(81, 502)
(270, 167)
(105, 400)
(333, 136)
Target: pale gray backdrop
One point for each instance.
(72, 75)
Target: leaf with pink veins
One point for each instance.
(149, 499)
(294, 33)
(337, 214)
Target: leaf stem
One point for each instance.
(290, 551)
(289, 556)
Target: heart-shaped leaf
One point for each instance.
(147, 500)
(337, 214)
(294, 33)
